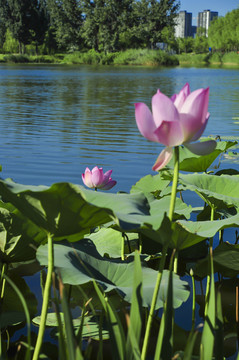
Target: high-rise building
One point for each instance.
(183, 27)
(205, 18)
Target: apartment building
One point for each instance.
(204, 19)
(183, 26)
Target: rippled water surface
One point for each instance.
(56, 120)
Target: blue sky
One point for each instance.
(222, 6)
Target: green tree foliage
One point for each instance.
(66, 22)
(168, 37)
(223, 33)
(103, 25)
(25, 19)
(106, 23)
(17, 17)
(151, 18)
(185, 45)
(201, 31)
(39, 22)
(10, 45)
(141, 23)
(200, 44)
(162, 14)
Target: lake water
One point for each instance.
(56, 120)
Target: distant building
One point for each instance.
(183, 27)
(194, 31)
(205, 18)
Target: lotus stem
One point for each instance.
(140, 243)
(2, 281)
(194, 299)
(209, 275)
(122, 247)
(46, 296)
(164, 253)
(173, 197)
(175, 263)
(153, 304)
(175, 183)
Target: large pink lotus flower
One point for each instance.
(96, 179)
(176, 121)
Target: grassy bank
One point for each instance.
(129, 57)
(227, 59)
(142, 57)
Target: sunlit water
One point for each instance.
(56, 120)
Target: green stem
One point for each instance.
(46, 296)
(140, 243)
(194, 299)
(175, 263)
(209, 275)
(175, 183)
(122, 247)
(173, 197)
(153, 304)
(2, 281)
(164, 253)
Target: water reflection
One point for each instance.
(55, 120)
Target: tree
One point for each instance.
(66, 21)
(152, 16)
(201, 31)
(185, 44)
(223, 33)
(105, 22)
(141, 30)
(39, 22)
(162, 14)
(168, 37)
(200, 44)
(17, 16)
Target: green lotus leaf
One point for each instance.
(225, 259)
(12, 305)
(196, 163)
(70, 211)
(220, 191)
(11, 318)
(90, 327)
(162, 206)
(65, 209)
(108, 242)
(208, 229)
(82, 263)
(15, 246)
(150, 183)
(174, 235)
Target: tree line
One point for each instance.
(103, 25)
(223, 33)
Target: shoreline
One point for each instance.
(132, 57)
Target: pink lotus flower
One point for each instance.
(176, 121)
(96, 179)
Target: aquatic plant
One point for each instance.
(96, 179)
(176, 121)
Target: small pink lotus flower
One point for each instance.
(96, 179)
(176, 121)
